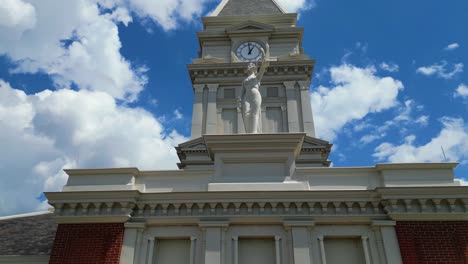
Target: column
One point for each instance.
(307, 116)
(151, 248)
(235, 245)
(213, 242)
(197, 115)
(193, 249)
(132, 237)
(277, 250)
(322, 249)
(212, 113)
(390, 241)
(301, 241)
(365, 246)
(293, 118)
(379, 244)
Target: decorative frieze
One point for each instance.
(357, 205)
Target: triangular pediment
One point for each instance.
(247, 8)
(192, 145)
(250, 26)
(311, 142)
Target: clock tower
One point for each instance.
(237, 33)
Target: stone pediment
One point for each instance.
(193, 145)
(310, 142)
(250, 27)
(193, 153)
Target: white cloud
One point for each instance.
(355, 93)
(453, 138)
(178, 115)
(407, 116)
(43, 133)
(423, 120)
(74, 42)
(366, 139)
(390, 67)
(17, 14)
(441, 70)
(462, 91)
(77, 42)
(166, 13)
(452, 46)
(293, 6)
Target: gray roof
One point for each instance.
(29, 235)
(250, 7)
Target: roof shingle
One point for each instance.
(27, 236)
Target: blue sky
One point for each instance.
(103, 83)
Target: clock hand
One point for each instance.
(250, 50)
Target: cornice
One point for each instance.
(105, 171)
(416, 166)
(450, 203)
(234, 73)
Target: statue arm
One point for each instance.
(264, 66)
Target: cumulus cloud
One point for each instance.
(407, 115)
(165, 13)
(17, 14)
(43, 133)
(441, 70)
(354, 93)
(452, 46)
(293, 6)
(390, 67)
(453, 138)
(462, 91)
(77, 42)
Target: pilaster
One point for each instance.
(213, 234)
(389, 241)
(293, 118)
(197, 116)
(212, 113)
(307, 116)
(131, 241)
(300, 232)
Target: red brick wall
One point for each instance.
(87, 243)
(433, 242)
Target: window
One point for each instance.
(172, 251)
(229, 117)
(274, 117)
(344, 250)
(229, 93)
(256, 251)
(272, 92)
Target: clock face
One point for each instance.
(249, 51)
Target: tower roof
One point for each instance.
(247, 7)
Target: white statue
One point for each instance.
(251, 98)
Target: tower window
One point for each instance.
(272, 92)
(229, 93)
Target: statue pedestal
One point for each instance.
(259, 161)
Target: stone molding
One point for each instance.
(350, 206)
(235, 72)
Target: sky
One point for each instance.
(104, 83)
